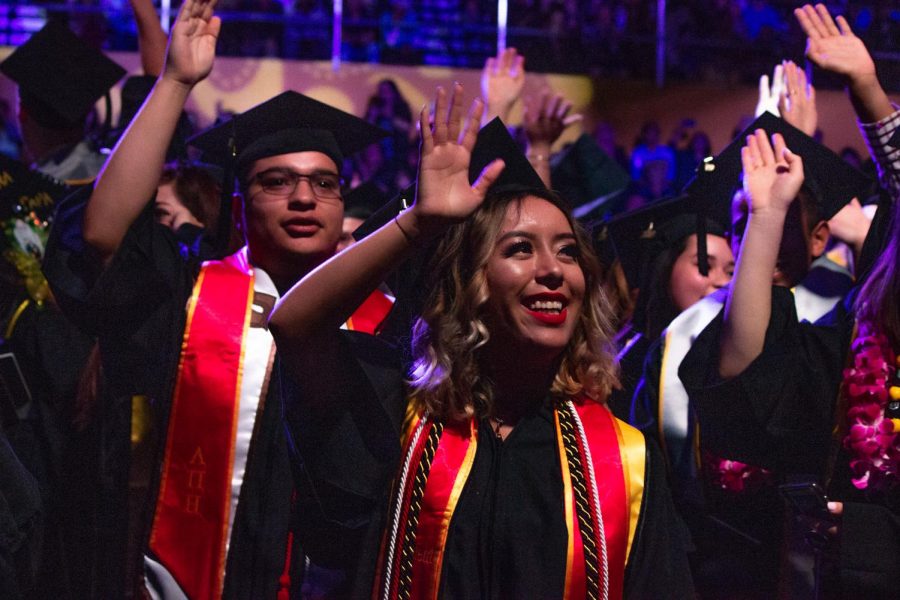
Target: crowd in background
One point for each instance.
(669, 284)
(604, 37)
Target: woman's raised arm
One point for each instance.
(321, 301)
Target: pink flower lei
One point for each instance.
(735, 476)
(872, 440)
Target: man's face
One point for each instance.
(300, 229)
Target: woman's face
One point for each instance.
(687, 285)
(534, 282)
(170, 211)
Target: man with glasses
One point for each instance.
(192, 336)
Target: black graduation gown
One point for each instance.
(631, 363)
(780, 412)
(507, 538)
(65, 447)
(735, 537)
(20, 519)
(136, 307)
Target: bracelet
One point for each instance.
(409, 238)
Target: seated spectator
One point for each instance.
(389, 110)
(605, 136)
(649, 147)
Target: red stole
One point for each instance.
(190, 525)
(191, 519)
(442, 455)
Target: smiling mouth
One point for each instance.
(551, 312)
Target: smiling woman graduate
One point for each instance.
(511, 477)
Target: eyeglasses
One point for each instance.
(282, 183)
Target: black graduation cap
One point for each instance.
(364, 200)
(833, 181)
(640, 236)
(587, 177)
(60, 77)
(602, 241)
(836, 181)
(289, 122)
(493, 142)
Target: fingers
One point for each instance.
(425, 130)
(765, 148)
(440, 109)
(572, 119)
(470, 129)
(821, 30)
(553, 106)
(780, 146)
(214, 27)
(784, 106)
(809, 21)
(506, 59)
(801, 81)
(794, 162)
(764, 86)
(490, 65)
(487, 177)
(747, 157)
(518, 68)
(836, 508)
(778, 81)
(844, 26)
(454, 115)
(827, 21)
(753, 158)
(790, 80)
(208, 10)
(563, 109)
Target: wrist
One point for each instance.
(767, 216)
(863, 84)
(418, 228)
(538, 152)
(169, 83)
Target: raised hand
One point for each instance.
(502, 80)
(443, 194)
(192, 42)
(798, 100)
(770, 94)
(772, 176)
(850, 225)
(832, 46)
(545, 118)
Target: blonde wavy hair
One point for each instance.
(446, 377)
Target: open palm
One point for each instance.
(192, 43)
(833, 45)
(444, 192)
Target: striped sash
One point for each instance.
(189, 536)
(602, 462)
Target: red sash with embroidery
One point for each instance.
(594, 447)
(190, 524)
(191, 519)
